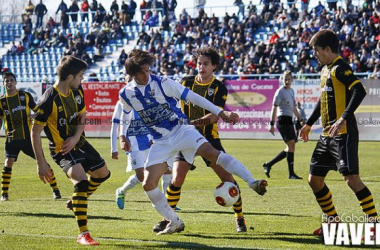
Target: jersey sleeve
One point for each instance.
(81, 105)
(221, 96)
(345, 75)
(32, 103)
(44, 109)
(277, 98)
(174, 89)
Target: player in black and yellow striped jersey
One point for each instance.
(62, 113)
(15, 109)
(205, 85)
(337, 148)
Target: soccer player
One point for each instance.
(15, 108)
(62, 113)
(337, 148)
(204, 84)
(156, 100)
(140, 139)
(285, 102)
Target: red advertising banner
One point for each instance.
(252, 100)
(100, 99)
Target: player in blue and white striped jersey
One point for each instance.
(156, 100)
(140, 139)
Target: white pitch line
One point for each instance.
(130, 240)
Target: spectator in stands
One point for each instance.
(172, 4)
(101, 39)
(152, 20)
(132, 6)
(165, 24)
(70, 48)
(74, 9)
(50, 24)
(40, 11)
(116, 31)
(302, 59)
(123, 56)
(98, 18)
(241, 6)
(62, 7)
(332, 4)
(93, 77)
(84, 8)
(12, 51)
(95, 29)
(62, 40)
(273, 39)
(98, 53)
(80, 47)
(90, 38)
(124, 13)
(28, 10)
(114, 7)
(93, 9)
(20, 49)
(304, 5)
(294, 14)
(64, 20)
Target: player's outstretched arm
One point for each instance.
(229, 117)
(43, 168)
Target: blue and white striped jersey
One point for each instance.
(137, 133)
(157, 103)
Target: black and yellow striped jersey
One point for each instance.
(214, 91)
(337, 79)
(58, 113)
(16, 112)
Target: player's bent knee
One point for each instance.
(147, 186)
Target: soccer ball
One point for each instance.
(226, 194)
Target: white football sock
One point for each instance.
(130, 183)
(160, 203)
(235, 167)
(166, 179)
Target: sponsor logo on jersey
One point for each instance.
(78, 99)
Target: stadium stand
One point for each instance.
(267, 38)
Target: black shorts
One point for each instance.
(216, 143)
(338, 153)
(13, 148)
(86, 155)
(286, 127)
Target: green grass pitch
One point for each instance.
(282, 219)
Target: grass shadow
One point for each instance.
(246, 213)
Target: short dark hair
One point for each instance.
(8, 74)
(210, 52)
(136, 59)
(326, 38)
(70, 65)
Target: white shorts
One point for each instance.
(184, 138)
(136, 159)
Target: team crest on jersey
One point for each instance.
(152, 92)
(134, 162)
(210, 92)
(78, 99)
(22, 98)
